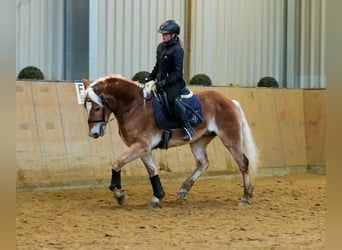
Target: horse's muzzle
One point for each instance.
(94, 135)
(97, 131)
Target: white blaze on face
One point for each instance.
(88, 104)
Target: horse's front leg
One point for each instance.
(115, 187)
(132, 153)
(158, 192)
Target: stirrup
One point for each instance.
(187, 134)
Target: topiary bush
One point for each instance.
(32, 73)
(200, 79)
(140, 76)
(268, 82)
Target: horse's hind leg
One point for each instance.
(243, 164)
(198, 149)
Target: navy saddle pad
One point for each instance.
(165, 120)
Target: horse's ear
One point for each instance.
(85, 83)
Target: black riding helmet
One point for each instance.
(169, 26)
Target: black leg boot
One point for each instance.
(157, 187)
(116, 180)
(158, 192)
(115, 186)
(180, 113)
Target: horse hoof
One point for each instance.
(155, 202)
(120, 196)
(155, 205)
(245, 202)
(181, 195)
(121, 199)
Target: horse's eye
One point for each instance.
(97, 109)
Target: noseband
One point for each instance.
(103, 120)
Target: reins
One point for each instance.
(104, 103)
(133, 106)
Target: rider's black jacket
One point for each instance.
(169, 68)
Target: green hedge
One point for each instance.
(269, 82)
(140, 76)
(200, 79)
(31, 73)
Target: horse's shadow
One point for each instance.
(176, 204)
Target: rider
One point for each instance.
(168, 72)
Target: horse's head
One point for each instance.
(97, 107)
(111, 94)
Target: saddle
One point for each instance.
(165, 118)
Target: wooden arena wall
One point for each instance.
(53, 148)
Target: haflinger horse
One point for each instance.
(130, 102)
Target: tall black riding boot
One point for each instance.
(180, 113)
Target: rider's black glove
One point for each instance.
(160, 84)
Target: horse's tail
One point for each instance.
(248, 144)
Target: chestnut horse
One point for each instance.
(130, 102)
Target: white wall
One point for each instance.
(233, 41)
(126, 36)
(40, 36)
(238, 41)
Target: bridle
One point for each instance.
(103, 120)
(104, 103)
